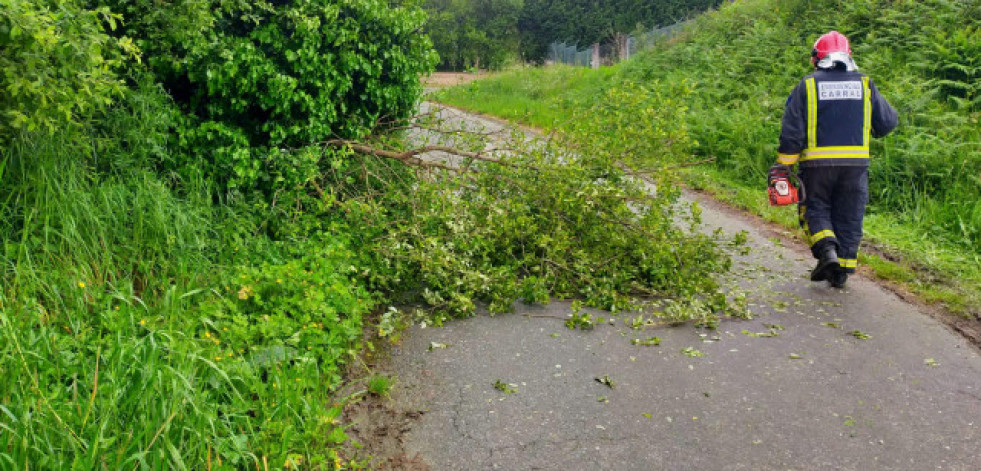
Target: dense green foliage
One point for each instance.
(144, 325)
(257, 80)
(474, 33)
(744, 59)
(57, 65)
(587, 22)
(189, 259)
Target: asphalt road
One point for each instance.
(808, 394)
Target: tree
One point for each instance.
(474, 33)
(585, 22)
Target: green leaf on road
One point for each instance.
(691, 352)
(505, 387)
(653, 341)
(605, 380)
(859, 335)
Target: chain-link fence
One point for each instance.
(621, 48)
(559, 52)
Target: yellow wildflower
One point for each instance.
(142, 321)
(81, 284)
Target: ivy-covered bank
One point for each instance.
(191, 249)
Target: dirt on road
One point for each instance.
(449, 79)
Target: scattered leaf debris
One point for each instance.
(770, 333)
(653, 341)
(605, 380)
(692, 352)
(506, 388)
(859, 335)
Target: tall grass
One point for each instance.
(544, 97)
(127, 341)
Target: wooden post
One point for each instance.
(623, 46)
(596, 56)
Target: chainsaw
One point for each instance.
(785, 188)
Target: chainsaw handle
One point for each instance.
(800, 188)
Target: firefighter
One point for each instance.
(827, 122)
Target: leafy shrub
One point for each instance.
(57, 64)
(267, 81)
(303, 310)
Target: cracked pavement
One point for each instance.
(812, 396)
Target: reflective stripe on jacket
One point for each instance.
(830, 117)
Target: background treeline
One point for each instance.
(741, 63)
(490, 33)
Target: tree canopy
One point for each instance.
(591, 21)
(487, 33)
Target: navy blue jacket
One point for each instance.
(829, 118)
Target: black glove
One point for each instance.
(778, 171)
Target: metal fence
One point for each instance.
(609, 52)
(559, 52)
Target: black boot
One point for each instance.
(827, 264)
(838, 278)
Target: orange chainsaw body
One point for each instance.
(782, 192)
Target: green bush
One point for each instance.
(58, 64)
(267, 81)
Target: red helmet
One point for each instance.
(829, 43)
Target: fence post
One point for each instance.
(596, 56)
(623, 48)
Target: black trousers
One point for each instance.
(833, 209)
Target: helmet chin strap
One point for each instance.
(829, 61)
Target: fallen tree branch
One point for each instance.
(411, 156)
(633, 172)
